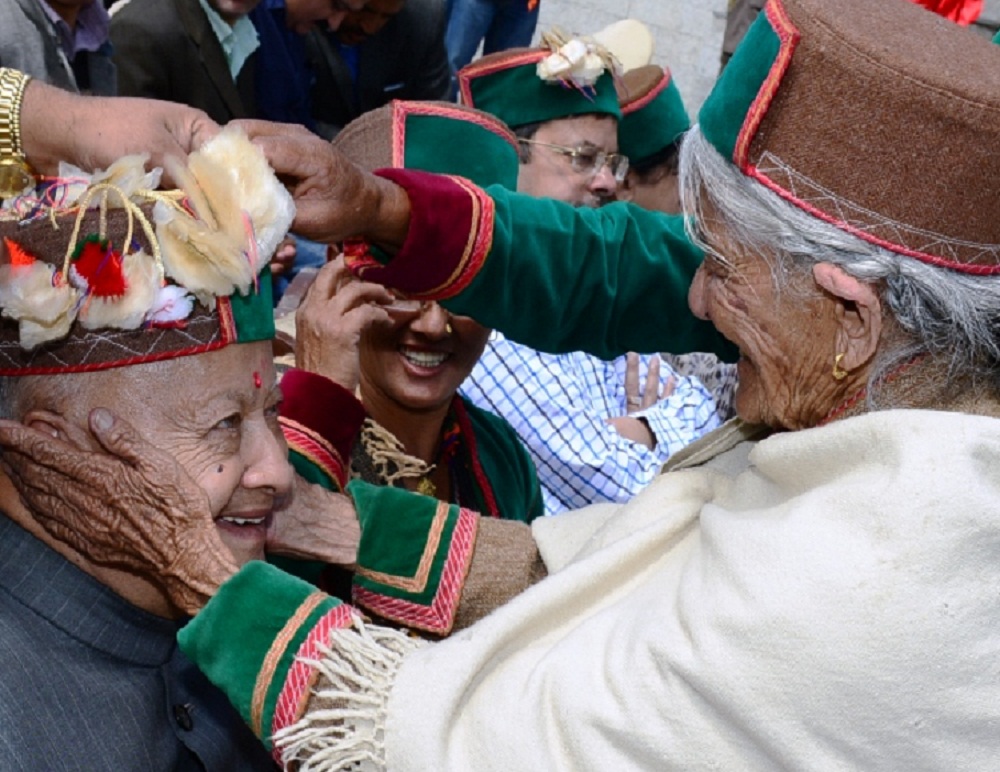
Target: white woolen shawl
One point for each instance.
(834, 606)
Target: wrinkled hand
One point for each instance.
(94, 132)
(130, 507)
(315, 524)
(334, 199)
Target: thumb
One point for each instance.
(119, 438)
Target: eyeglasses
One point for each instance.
(588, 160)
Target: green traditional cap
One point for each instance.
(107, 271)
(438, 137)
(653, 114)
(880, 118)
(508, 84)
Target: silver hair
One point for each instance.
(949, 315)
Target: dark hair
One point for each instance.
(654, 167)
(526, 131)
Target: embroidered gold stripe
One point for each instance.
(274, 655)
(418, 581)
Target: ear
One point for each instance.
(59, 427)
(858, 314)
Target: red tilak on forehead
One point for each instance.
(256, 380)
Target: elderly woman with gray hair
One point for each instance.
(822, 598)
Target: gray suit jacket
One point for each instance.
(166, 49)
(406, 59)
(29, 43)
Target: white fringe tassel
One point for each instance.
(356, 673)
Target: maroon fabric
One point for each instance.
(441, 221)
(323, 406)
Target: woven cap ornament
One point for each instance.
(106, 271)
(562, 78)
(653, 114)
(438, 137)
(880, 118)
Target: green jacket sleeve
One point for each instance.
(548, 275)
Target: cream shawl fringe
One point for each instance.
(835, 605)
(344, 727)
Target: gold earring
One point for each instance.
(447, 327)
(839, 373)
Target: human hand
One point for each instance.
(329, 323)
(334, 199)
(639, 399)
(315, 524)
(283, 258)
(634, 429)
(94, 132)
(131, 506)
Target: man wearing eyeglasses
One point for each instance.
(596, 430)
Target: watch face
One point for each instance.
(14, 178)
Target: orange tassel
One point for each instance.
(18, 254)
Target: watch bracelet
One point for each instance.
(12, 87)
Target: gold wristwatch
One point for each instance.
(16, 175)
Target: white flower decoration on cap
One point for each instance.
(576, 61)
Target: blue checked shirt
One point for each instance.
(559, 406)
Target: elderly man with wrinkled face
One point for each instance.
(91, 674)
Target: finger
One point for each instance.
(360, 293)
(632, 399)
(668, 389)
(290, 154)
(255, 128)
(35, 446)
(651, 392)
(323, 287)
(121, 440)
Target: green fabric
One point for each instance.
(652, 128)
(253, 313)
(723, 113)
(251, 608)
(996, 38)
(395, 525)
(311, 472)
(507, 466)
(443, 145)
(517, 96)
(612, 280)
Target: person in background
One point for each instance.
(285, 79)
(406, 359)
(497, 24)
(597, 430)
(64, 43)
(196, 52)
(389, 49)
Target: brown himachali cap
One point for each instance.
(879, 117)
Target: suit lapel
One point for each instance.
(196, 23)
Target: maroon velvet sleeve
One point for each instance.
(315, 410)
(450, 234)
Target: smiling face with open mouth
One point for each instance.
(418, 362)
(217, 414)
